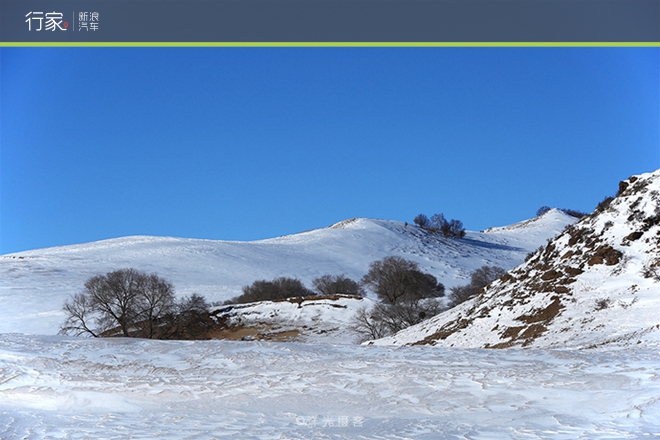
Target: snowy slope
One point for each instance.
(35, 284)
(598, 283)
(314, 319)
(117, 388)
(81, 388)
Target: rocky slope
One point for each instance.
(597, 283)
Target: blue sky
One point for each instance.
(251, 143)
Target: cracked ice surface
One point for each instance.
(59, 387)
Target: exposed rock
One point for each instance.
(555, 298)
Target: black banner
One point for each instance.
(328, 21)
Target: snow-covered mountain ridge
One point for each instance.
(35, 284)
(598, 283)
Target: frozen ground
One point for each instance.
(54, 387)
(58, 387)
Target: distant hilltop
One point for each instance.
(596, 284)
(35, 284)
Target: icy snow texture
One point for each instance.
(58, 387)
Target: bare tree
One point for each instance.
(422, 221)
(194, 303)
(386, 319)
(128, 301)
(394, 277)
(79, 311)
(156, 301)
(437, 220)
(405, 313)
(334, 284)
(408, 296)
(479, 279)
(368, 325)
(456, 229)
(115, 297)
(485, 275)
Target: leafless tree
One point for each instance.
(127, 300)
(194, 303)
(155, 301)
(394, 277)
(79, 313)
(333, 284)
(386, 319)
(368, 325)
(116, 298)
(407, 296)
(422, 221)
(479, 279)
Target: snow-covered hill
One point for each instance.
(115, 388)
(35, 284)
(323, 319)
(596, 284)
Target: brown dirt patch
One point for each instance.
(544, 315)
(551, 275)
(256, 333)
(444, 332)
(573, 271)
(605, 254)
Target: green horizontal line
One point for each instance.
(330, 44)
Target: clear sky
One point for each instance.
(251, 143)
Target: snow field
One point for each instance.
(59, 387)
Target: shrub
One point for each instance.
(479, 279)
(337, 284)
(604, 204)
(279, 288)
(531, 254)
(422, 221)
(651, 271)
(542, 210)
(602, 304)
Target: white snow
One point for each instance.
(35, 284)
(325, 388)
(59, 387)
(604, 304)
(314, 319)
